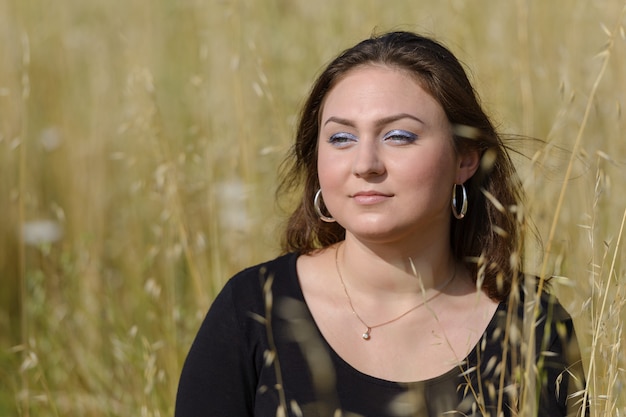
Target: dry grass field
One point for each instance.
(139, 148)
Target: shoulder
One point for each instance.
(542, 308)
(543, 301)
(283, 265)
(252, 281)
(530, 308)
(244, 295)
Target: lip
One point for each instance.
(370, 197)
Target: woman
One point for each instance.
(393, 299)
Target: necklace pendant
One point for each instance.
(366, 335)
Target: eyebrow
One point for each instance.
(380, 122)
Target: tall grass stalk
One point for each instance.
(23, 297)
(610, 402)
(605, 55)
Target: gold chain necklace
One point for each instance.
(367, 334)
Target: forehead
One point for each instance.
(375, 88)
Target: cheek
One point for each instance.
(330, 182)
(436, 170)
(327, 168)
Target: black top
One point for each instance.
(259, 349)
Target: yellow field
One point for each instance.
(139, 147)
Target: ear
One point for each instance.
(467, 165)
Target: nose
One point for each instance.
(367, 160)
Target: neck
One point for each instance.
(386, 270)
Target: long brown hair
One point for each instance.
(488, 239)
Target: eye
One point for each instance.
(342, 139)
(400, 136)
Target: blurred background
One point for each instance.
(140, 143)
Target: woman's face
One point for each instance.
(386, 161)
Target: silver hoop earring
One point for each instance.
(318, 210)
(455, 203)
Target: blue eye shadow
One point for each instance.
(399, 134)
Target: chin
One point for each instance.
(377, 234)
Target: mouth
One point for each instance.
(370, 197)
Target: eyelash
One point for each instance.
(401, 136)
(341, 138)
(396, 135)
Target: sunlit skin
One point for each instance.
(386, 159)
(387, 165)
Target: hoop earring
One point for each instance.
(318, 210)
(455, 203)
